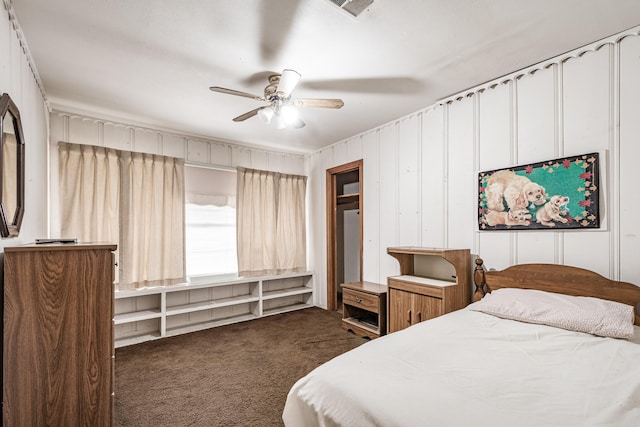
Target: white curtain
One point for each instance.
(270, 222)
(152, 238)
(133, 199)
(89, 192)
(291, 242)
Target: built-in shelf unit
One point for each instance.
(176, 307)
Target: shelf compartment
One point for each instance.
(191, 317)
(283, 303)
(137, 316)
(285, 308)
(348, 198)
(285, 287)
(186, 301)
(136, 339)
(193, 327)
(208, 305)
(198, 326)
(136, 308)
(280, 293)
(424, 280)
(134, 332)
(370, 326)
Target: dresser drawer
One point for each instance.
(362, 300)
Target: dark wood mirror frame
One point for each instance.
(10, 221)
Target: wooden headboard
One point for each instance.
(556, 278)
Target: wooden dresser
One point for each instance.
(432, 282)
(58, 348)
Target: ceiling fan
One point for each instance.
(281, 108)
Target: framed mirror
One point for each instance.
(11, 168)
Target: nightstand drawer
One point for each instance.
(362, 300)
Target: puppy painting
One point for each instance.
(519, 198)
(554, 210)
(518, 191)
(509, 218)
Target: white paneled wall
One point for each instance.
(461, 197)
(432, 168)
(587, 112)
(420, 172)
(79, 129)
(537, 121)
(624, 218)
(21, 83)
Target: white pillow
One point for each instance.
(582, 314)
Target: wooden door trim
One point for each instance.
(332, 245)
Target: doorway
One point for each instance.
(344, 229)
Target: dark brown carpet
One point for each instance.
(235, 375)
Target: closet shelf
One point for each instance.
(347, 198)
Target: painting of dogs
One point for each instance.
(509, 218)
(555, 194)
(553, 210)
(517, 191)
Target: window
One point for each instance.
(210, 221)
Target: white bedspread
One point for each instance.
(472, 369)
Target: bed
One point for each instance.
(479, 367)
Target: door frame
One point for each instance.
(332, 241)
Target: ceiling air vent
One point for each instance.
(354, 7)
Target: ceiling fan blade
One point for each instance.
(318, 103)
(393, 84)
(247, 115)
(276, 24)
(288, 81)
(236, 92)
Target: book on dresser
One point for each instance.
(432, 282)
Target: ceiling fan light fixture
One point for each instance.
(289, 114)
(282, 110)
(279, 122)
(288, 80)
(266, 114)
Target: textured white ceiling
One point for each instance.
(152, 62)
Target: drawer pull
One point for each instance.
(409, 316)
(358, 299)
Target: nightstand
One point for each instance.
(364, 308)
(432, 282)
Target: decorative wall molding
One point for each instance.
(8, 6)
(557, 60)
(66, 116)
